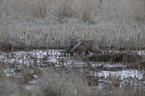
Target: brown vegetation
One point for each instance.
(5, 46)
(125, 57)
(10, 86)
(61, 83)
(49, 23)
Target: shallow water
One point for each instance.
(52, 57)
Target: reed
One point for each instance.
(50, 23)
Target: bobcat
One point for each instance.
(82, 46)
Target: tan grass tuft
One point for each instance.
(61, 84)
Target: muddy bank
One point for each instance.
(7, 46)
(125, 57)
(131, 59)
(11, 46)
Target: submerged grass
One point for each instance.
(34, 80)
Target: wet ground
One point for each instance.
(43, 59)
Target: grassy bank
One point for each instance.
(65, 83)
(50, 23)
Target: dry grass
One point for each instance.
(50, 23)
(26, 75)
(10, 86)
(128, 90)
(49, 8)
(66, 83)
(139, 9)
(62, 84)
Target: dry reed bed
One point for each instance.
(58, 35)
(50, 23)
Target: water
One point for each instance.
(52, 57)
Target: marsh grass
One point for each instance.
(2, 73)
(60, 80)
(10, 86)
(27, 75)
(114, 90)
(26, 24)
(56, 82)
(50, 23)
(61, 84)
(139, 8)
